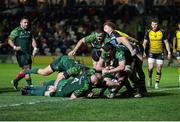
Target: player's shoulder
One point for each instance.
(15, 31)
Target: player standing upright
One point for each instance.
(154, 41)
(21, 40)
(176, 47)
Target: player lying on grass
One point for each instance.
(79, 86)
(65, 65)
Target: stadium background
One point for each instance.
(59, 24)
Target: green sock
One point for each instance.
(32, 70)
(29, 81)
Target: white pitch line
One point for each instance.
(32, 103)
(63, 99)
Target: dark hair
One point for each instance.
(155, 20)
(24, 17)
(110, 24)
(108, 46)
(99, 28)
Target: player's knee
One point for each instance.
(27, 77)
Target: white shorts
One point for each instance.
(157, 61)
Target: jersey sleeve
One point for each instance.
(103, 55)
(73, 71)
(13, 35)
(116, 34)
(90, 38)
(120, 55)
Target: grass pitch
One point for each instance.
(162, 104)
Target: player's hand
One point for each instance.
(105, 71)
(73, 96)
(90, 94)
(52, 88)
(35, 51)
(17, 48)
(72, 53)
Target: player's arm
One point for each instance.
(167, 48)
(144, 46)
(11, 43)
(174, 44)
(99, 65)
(126, 43)
(78, 45)
(59, 77)
(34, 45)
(119, 68)
(13, 35)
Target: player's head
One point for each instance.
(99, 33)
(154, 24)
(24, 22)
(100, 36)
(95, 78)
(109, 49)
(109, 27)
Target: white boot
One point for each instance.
(156, 86)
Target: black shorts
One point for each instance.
(23, 59)
(159, 56)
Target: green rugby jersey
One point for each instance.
(97, 44)
(79, 85)
(22, 38)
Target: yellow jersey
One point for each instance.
(177, 36)
(155, 40)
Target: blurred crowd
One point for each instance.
(58, 28)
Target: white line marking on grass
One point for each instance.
(64, 99)
(32, 103)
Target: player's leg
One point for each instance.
(40, 71)
(35, 91)
(178, 60)
(141, 75)
(24, 61)
(150, 70)
(179, 69)
(159, 65)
